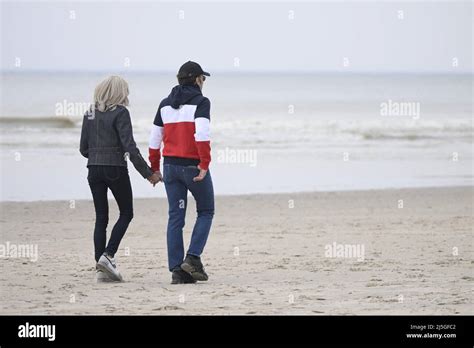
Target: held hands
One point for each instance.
(201, 175)
(155, 178)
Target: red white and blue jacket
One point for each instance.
(182, 124)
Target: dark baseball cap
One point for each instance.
(191, 69)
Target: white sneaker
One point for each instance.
(108, 266)
(102, 277)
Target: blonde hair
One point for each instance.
(111, 92)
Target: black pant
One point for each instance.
(115, 178)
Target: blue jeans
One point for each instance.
(178, 180)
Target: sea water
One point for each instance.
(269, 132)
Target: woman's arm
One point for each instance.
(84, 144)
(125, 132)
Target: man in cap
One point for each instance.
(182, 125)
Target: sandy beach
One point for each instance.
(267, 254)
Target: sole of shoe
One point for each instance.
(106, 270)
(177, 282)
(102, 277)
(181, 281)
(105, 280)
(192, 271)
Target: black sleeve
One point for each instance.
(84, 145)
(123, 124)
(158, 121)
(203, 109)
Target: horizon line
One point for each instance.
(250, 71)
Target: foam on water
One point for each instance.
(304, 126)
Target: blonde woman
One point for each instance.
(107, 141)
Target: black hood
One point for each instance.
(182, 94)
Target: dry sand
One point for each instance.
(418, 259)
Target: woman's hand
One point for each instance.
(155, 178)
(201, 175)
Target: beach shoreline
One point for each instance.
(266, 254)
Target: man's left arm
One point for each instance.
(202, 120)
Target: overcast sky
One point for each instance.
(265, 36)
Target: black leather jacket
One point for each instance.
(107, 137)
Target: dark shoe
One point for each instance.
(181, 277)
(193, 266)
